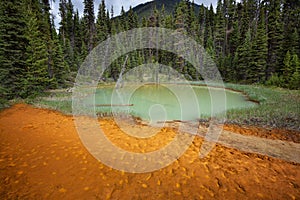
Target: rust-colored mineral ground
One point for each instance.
(42, 157)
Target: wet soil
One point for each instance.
(42, 157)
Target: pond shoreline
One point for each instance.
(278, 108)
(244, 129)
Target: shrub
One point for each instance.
(275, 80)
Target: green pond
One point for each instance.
(168, 102)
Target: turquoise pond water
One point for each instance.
(168, 102)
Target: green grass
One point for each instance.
(59, 100)
(277, 108)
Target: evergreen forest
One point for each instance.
(252, 41)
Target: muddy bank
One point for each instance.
(42, 157)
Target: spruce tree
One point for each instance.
(78, 38)
(275, 37)
(132, 19)
(35, 76)
(243, 58)
(202, 24)
(180, 25)
(89, 25)
(12, 45)
(60, 72)
(291, 18)
(66, 33)
(287, 70)
(70, 23)
(193, 22)
(123, 23)
(258, 62)
(47, 28)
(101, 24)
(63, 23)
(294, 81)
(244, 23)
(220, 30)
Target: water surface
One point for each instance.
(168, 102)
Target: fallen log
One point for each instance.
(112, 105)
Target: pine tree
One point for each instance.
(294, 82)
(231, 38)
(70, 23)
(209, 24)
(47, 28)
(208, 62)
(108, 22)
(287, 70)
(162, 18)
(202, 24)
(193, 22)
(60, 71)
(66, 33)
(220, 30)
(210, 48)
(35, 78)
(234, 37)
(180, 25)
(63, 23)
(12, 45)
(275, 37)
(250, 41)
(101, 25)
(253, 14)
(89, 24)
(291, 20)
(259, 52)
(132, 19)
(78, 39)
(112, 13)
(211, 17)
(243, 58)
(123, 23)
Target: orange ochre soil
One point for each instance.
(42, 157)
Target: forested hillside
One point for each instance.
(252, 42)
(169, 6)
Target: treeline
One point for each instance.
(252, 42)
(31, 53)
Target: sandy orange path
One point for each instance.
(41, 157)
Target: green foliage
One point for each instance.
(287, 68)
(251, 41)
(219, 32)
(102, 24)
(278, 107)
(259, 52)
(275, 37)
(89, 25)
(35, 76)
(294, 81)
(244, 58)
(275, 80)
(291, 69)
(12, 45)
